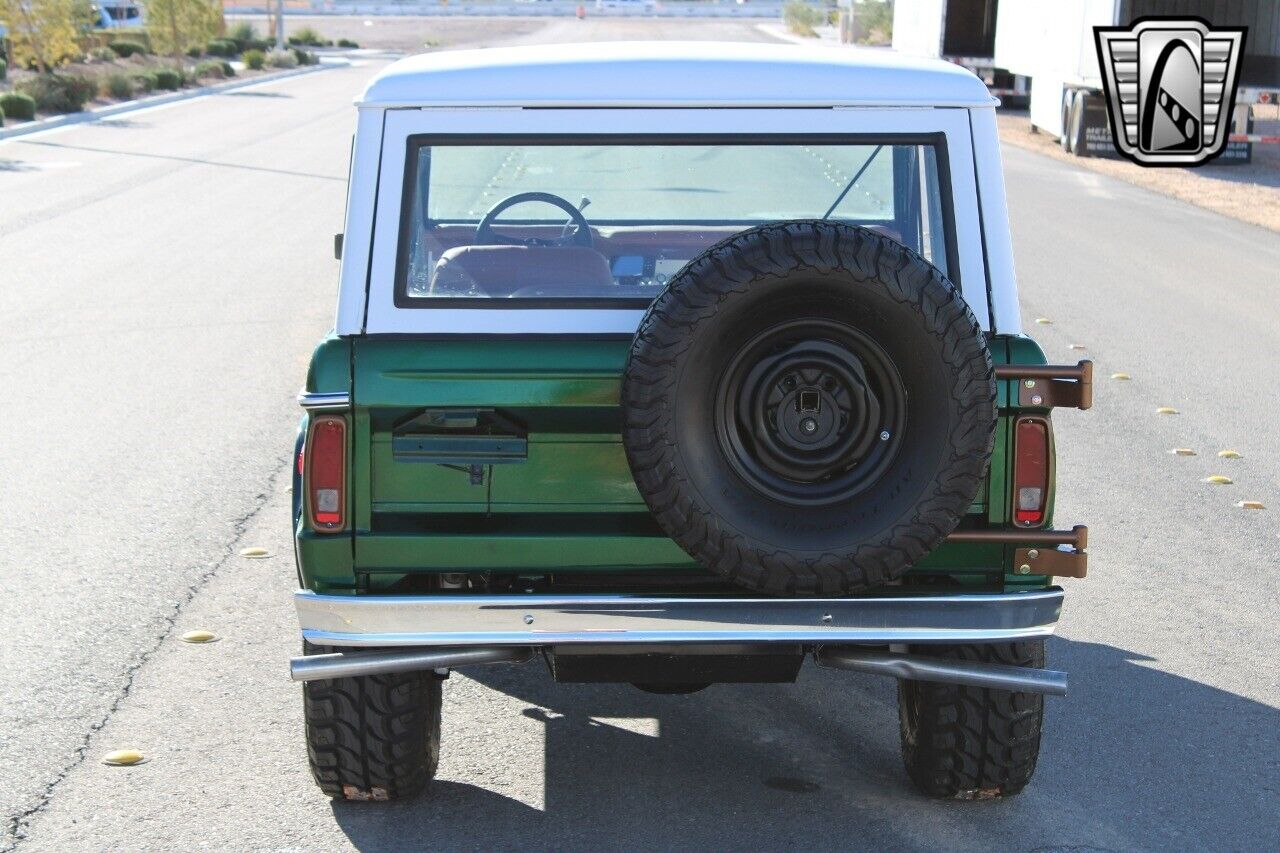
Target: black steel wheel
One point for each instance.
(809, 408)
(810, 411)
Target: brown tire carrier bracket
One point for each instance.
(1052, 553)
(1055, 553)
(1051, 386)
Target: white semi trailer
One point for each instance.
(1052, 44)
(960, 31)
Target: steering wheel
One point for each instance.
(485, 235)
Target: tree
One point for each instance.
(175, 26)
(42, 33)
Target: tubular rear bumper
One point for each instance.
(542, 620)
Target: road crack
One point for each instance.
(19, 824)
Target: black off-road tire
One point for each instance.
(969, 742)
(872, 289)
(375, 737)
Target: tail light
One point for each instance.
(1032, 460)
(325, 477)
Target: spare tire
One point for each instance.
(809, 408)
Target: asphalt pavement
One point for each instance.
(165, 275)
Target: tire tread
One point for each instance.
(672, 323)
(373, 737)
(971, 742)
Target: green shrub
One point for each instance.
(208, 68)
(17, 105)
(304, 57)
(4, 69)
(260, 44)
(228, 70)
(124, 49)
(168, 79)
(281, 59)
(195, 52)
(224, 48)
(306, 37)
(241, 34)
(347, 43)
(803, 19)
(117, 86)
(59, 93)
(1, 117)
(254, 59)
(102, 54)
(144, 81)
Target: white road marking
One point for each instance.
(1092, 184)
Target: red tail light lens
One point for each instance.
(1031, 463)
(326, 473)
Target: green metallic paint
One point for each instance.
(326, 560)
(330, 367)
(565, 392)
(517, 552)
(1018, 349)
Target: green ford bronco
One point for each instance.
(677, 364)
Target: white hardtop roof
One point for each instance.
(673, 74)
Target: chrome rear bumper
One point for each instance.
(547, 620)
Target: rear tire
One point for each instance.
(969, 742)
(374, 737)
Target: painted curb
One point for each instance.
(157, 100)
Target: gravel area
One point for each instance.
(1250, 193)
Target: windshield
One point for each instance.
(573, 221)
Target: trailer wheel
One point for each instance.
(1075, 126)
(1065, 139)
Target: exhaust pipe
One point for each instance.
(352, 664)
(997, 676)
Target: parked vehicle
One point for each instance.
(959, 31)
(120, 14)
(1053, 45)
(676, 364)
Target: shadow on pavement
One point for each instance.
(1133, 758)
(239, 94)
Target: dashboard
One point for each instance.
(639, 270)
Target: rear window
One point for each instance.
(544, 221)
